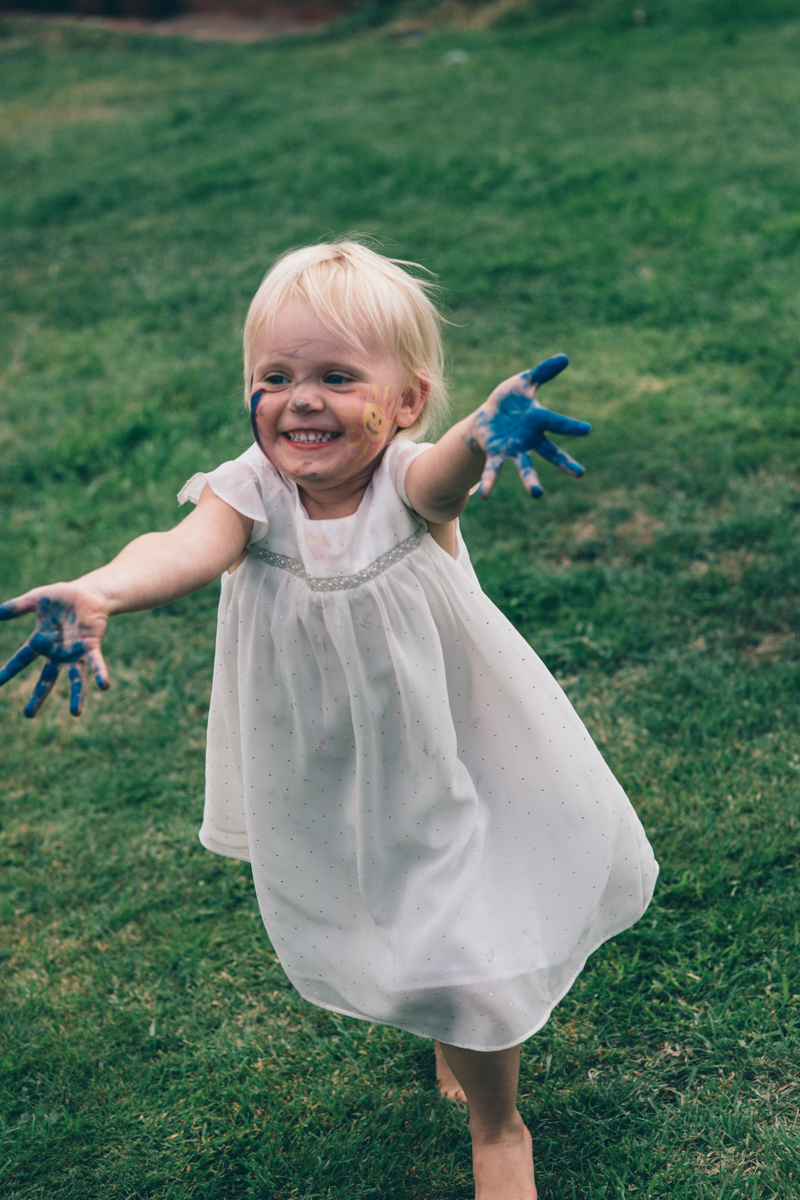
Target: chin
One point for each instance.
(305, 472)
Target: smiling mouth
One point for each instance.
(310, 436)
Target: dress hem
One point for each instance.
(224, 850)
(517, 1041)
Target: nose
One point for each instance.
(305, 399)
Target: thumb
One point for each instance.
(547, 370)
(20, 605)
(97, 665)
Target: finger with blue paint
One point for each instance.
(77, 688)
(68, 632)
(43, 688)
(513, 423)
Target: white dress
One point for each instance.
(436, 842)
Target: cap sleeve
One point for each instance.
(398, 458)
(239, 483)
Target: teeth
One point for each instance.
(310, 435)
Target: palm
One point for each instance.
(70, 622)
(512, 424)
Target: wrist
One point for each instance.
(105, 594)
(468, 436)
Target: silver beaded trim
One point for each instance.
(338, 583)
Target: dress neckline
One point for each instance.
(328, 520)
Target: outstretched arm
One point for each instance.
(158, 567)
(151, 570)
(510, 424)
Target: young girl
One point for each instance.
(436, 843)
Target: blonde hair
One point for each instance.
(369, 301)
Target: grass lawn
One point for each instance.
(627, 193)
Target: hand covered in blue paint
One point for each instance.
(512, 423)
(70, 623)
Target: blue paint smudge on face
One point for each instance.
(255, 399)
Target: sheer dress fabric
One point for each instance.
(436, 842)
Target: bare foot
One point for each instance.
(449, 1086)
(503, 1168)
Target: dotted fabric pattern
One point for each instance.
(436, 842)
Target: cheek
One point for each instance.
(372, 420)
(375, 421)
(255, 400)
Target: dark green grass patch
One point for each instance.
(623, 191)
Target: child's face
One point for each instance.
(322, 411)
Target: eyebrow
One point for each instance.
(274, 361)
(285, 353)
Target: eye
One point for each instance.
(337, 378)
(276, 379)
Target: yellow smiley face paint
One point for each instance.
(368, 424)
(374, 420)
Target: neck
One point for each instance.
(328, 502)
(330, 505)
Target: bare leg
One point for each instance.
(449, 1086)
(502, 1154)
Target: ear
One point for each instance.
(412, 402)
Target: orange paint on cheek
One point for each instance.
(374, 419)
(369, 424)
